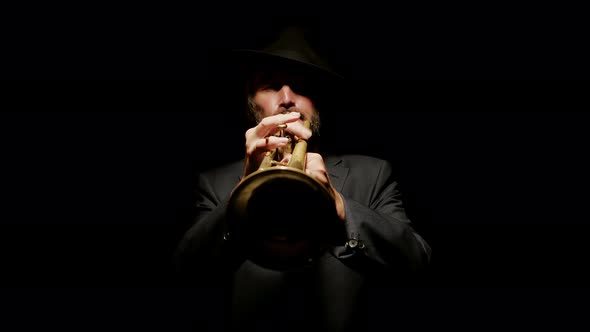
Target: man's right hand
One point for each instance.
(261, 139)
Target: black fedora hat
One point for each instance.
(290, 49)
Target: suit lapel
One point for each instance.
(337, 172)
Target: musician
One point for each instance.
(373, 248)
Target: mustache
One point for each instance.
(283, 110)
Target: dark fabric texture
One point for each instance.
(343, 289)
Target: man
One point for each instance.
(374, 248)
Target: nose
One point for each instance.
(287, 97)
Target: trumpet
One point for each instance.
(281, 216)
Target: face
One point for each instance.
(278, 92)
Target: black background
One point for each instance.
(476, 107)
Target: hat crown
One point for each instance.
(292, 47)
(293, 43)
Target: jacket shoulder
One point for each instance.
(231, 168)
(356, 160)
(223, 178)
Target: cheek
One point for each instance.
(308, 109)
(265, 103)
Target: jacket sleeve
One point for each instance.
(382, 235)
(203, 248)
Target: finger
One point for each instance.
(270, 124)
(270, 143)
(286, 158)
(299, 130)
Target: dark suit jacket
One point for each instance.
(341, 291)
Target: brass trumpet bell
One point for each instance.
(281, 216)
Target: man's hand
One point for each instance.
(316, 168)
(261, 139)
